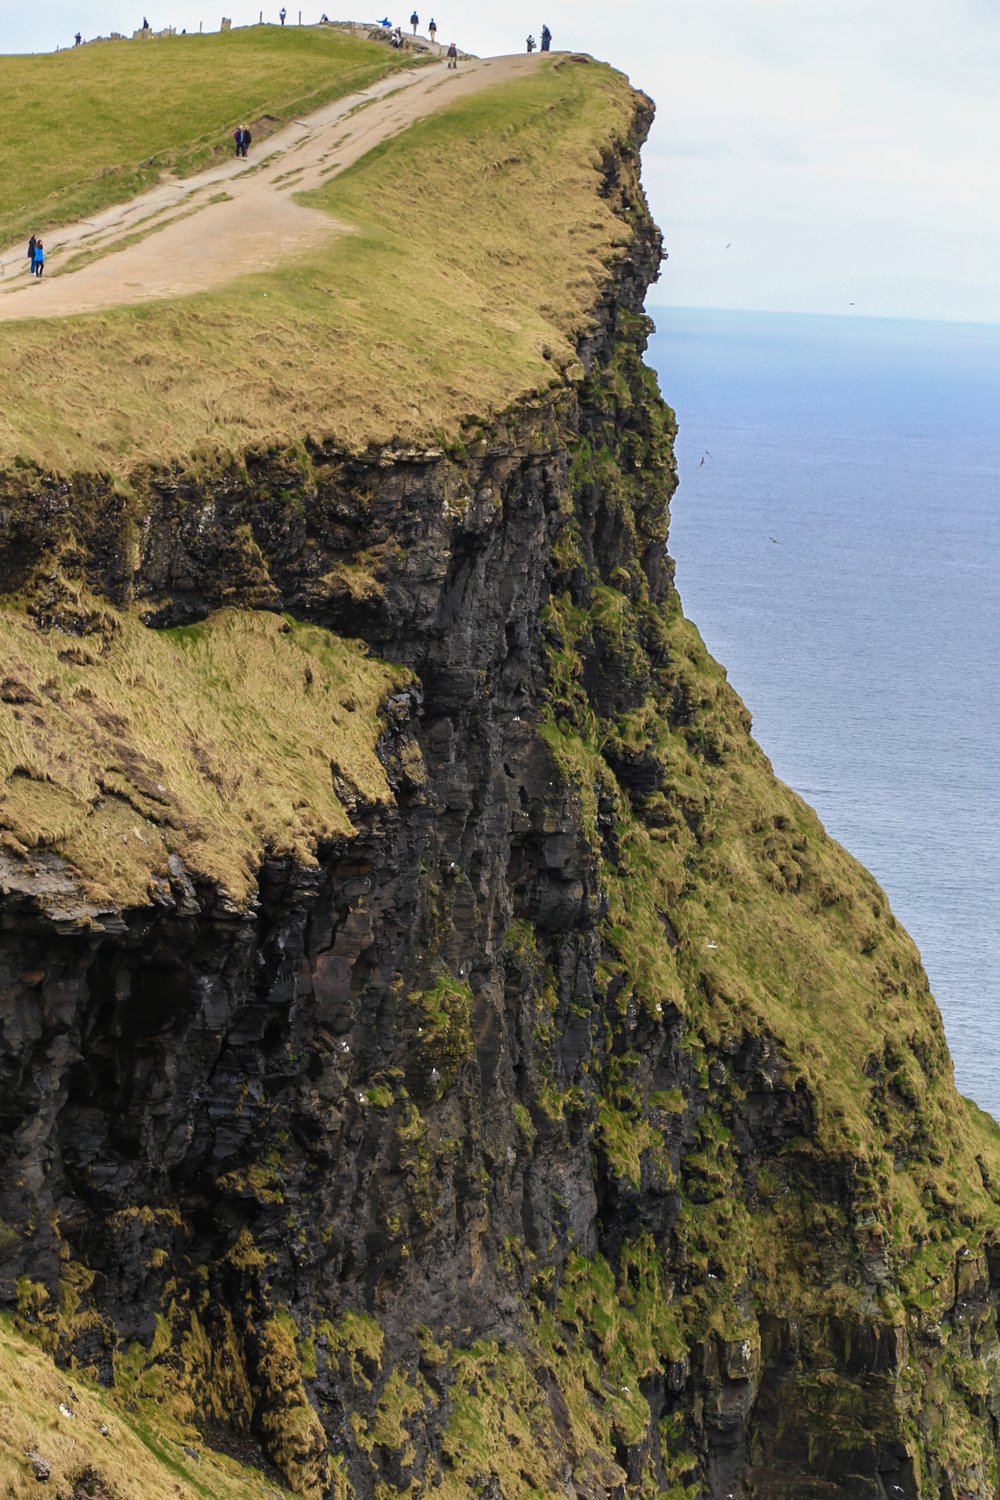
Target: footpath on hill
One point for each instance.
(191, 234)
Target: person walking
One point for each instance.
(238, 138)
(38, 261)
(414, 22)
(452, 55)
(31, 253)
(432, 30)
(247, 138)
(282, 13)
(546, 38)
(531, 44)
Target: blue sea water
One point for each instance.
(839, 548)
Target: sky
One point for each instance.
(831, 156)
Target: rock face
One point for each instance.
(579, 1125)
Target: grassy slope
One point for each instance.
(94, 125)
(481, 236)
(213, 741)
(130, 1457)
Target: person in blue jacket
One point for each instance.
(546, 38)
(38, 262)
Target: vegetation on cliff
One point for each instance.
(580, 1121)
(121, 747)
(61, 1432)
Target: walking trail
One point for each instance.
(191, 243)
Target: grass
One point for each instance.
(93, 126)
(125, 1458)
(214, 742)
(480, 242)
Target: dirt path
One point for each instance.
(191, 243)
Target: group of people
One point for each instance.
(36, 256)
(546, 40)
(242, 137)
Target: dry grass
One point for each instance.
(481, 238)
(213, 741)
(128, 1463)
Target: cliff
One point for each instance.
(437, 1054)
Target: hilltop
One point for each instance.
(475, 244)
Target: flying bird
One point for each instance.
(774, 539)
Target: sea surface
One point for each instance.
(839, 549)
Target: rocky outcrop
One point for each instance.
(578, 1124)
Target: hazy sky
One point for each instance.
(844, 152)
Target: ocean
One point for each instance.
(837, 539)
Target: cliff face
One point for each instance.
(578, 1122)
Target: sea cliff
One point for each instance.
(437, 1054)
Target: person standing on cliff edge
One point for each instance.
(414, 22)
(432, 30)
(546, 38)
(531, 45)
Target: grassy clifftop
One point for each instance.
(94, 125)
(477, 242)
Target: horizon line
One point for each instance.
(786, 312)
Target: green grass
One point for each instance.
(481, 240)
(214, 742)
(94, 125)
